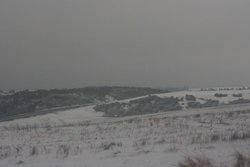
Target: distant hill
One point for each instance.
(28, 101)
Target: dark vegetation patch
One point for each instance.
(220, 95)
(190, 98)
(150, 104)
(240, 101)
(237, 95)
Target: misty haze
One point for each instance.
(67, 44)
(140, 83)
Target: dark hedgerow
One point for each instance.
(150, 104)
(220, 95)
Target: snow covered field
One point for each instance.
(83, 138)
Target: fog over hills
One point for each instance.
(67, 44)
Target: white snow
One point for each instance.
(60, 117)
(204, 95)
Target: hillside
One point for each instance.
(173, 101)
(34, 102)
(81, 139)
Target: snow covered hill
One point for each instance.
(88, 113)
(83, 138)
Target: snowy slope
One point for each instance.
(210, 94)
(83, 138)
(88, 113)
(151, 140)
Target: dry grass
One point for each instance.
(63, 150)
(110, 145)
(241, 160)
(196, 162)
(167, 134)
(34, 151)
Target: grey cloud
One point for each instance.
(62, 43)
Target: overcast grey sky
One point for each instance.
(75, 43)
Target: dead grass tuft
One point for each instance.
(196, 162)
(241, 160)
